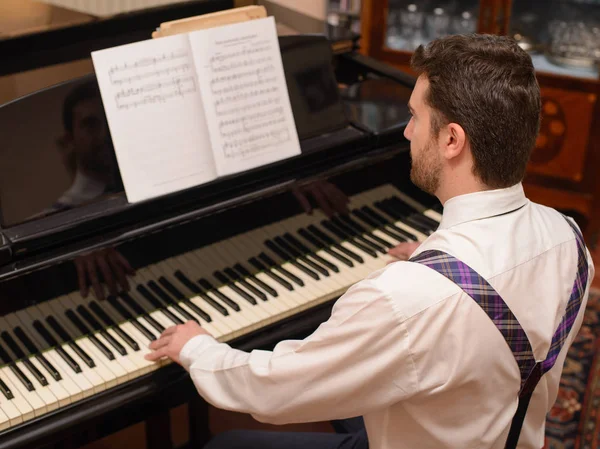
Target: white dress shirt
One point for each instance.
(409, 350)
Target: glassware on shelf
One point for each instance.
(464, 24)
(405, 28)
(574, 43)
(438, 23)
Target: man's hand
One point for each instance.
(113, 266)
(404, 250)
(327, 196)
(172, 341)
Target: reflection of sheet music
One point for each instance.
(154, 110)
(245, 94)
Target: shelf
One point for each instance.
(543, 65)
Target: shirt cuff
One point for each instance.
(193, 348)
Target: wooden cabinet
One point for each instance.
(563, 39)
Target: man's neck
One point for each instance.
(458, 187)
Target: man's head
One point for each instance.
(85, 143)
(476, 114)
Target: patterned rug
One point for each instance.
(573, 422)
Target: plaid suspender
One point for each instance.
(490, 301)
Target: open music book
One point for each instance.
(186, 109)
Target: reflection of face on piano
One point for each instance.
(89, 138)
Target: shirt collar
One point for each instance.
(484, 204)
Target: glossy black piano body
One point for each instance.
(350, 112)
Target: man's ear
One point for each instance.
(454, 140)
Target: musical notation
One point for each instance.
(246, 88)
(152, 79)
(158, 92)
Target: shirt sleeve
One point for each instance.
(356, 362)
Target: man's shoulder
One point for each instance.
(412, 287)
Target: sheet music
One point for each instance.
(245, 95)
(154, 110)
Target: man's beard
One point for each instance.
(426, 169)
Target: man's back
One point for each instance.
(464, 379)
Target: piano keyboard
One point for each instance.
(60, 351)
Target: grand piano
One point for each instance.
(239, 255)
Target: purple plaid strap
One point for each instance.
(490, 301)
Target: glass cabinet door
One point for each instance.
(410, 23)
(562, 36)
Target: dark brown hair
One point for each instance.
(487, 85)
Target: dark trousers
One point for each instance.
(350, 434)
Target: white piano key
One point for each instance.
(31, 397)
(4, 420)
(11, 411)
(99, 376)
(23, 408)
(79, 386)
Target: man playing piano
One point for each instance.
(410, 348)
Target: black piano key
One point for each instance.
(141, 312)
(6, 391)
(167, 300)
(384, 221)
(235, 276)
(329, 241)
(98, 328)
(290, 258)
(158, 304)
(427, 221)
(225, 281)
(359, 228)
(64, 335)
(357, 235)
(405, 215)
(259, 266)
(271, 264)
(87, 332)
(195, 289)
(330, 226)
(381, 227)
(301, 247)
(207, 286)
(266, 287)
(39, 327)
(33, 350)
(323, 246)
(15, 369)
(128, 316)
(392, 213)
(289, 249)
(19, 354)
(137, 308)
(167, 285)
(108, 321)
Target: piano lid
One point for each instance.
(60, 168)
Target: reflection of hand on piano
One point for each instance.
(113, 267)
(403, 250)
(327, 196)
(172, 341)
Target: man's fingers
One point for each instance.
(119, 271)
(168, 331)
(322, 200)
(301, 197)
(123, 262)
(160, 343)
(81, 277)
(107, 273)
(338, 199)
(156, 355)
(404, 250)
(95, 281)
